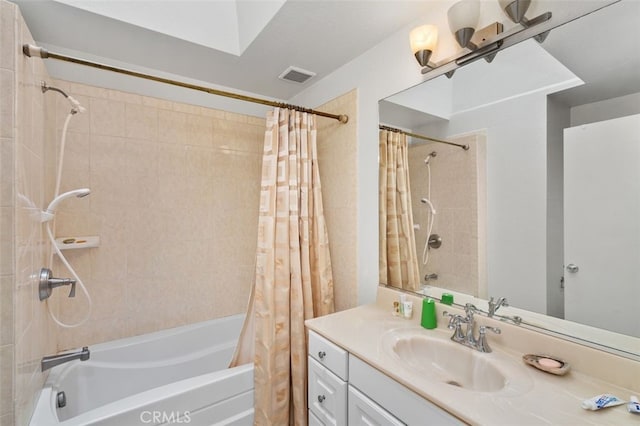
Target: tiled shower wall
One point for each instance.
(337, 157)
(26, 134)
(175, 192)
(458, 195)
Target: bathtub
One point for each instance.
(176, 376)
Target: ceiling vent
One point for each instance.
(296, 75)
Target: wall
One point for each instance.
(605, 110)
(456, 189)
(337, 158)
(175, 191)
(557, 121)
(26, 128)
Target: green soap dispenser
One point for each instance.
(429, 316)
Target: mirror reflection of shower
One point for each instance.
(431, 241)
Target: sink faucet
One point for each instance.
(53, 360)
(468, 338)
(494, 306)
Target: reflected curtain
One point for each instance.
(293, 280)
(398, 260)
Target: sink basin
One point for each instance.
(450, 363)
(431, 357)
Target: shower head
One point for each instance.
(430, 156)
(75, 105)
(429, 204)
(50, 212)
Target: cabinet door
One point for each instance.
(327, 395)
(365, 412)
(313, 420)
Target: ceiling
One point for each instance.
(262, 37)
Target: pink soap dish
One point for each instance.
(547, 363)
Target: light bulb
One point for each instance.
(424, 37)
(423, 42)
(463, 19)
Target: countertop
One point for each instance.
(538, 398)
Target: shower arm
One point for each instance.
(426, 138)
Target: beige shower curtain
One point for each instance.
(293, 270)
(398, 260)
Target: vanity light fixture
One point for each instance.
(423, 42)
(482, 43)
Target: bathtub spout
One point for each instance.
(53, 360)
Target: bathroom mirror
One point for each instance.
(544, 209)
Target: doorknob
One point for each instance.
(572, 268)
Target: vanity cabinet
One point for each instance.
(344, 390)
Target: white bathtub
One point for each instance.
(172, 376)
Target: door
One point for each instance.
(602, 224)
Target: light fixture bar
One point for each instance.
(482, 52)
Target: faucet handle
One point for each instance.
(454, 320)
(72, 293)
(483, 329)
(482, 345)
(470, 309)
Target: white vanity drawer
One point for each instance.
(328, 354)
(313, 420)
(399, 401)
(364, 412)
(327, 395)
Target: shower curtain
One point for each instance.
(293, 280)
(398, 259)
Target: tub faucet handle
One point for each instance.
(48, 283)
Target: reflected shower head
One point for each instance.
(50, 212)
(75, 105)
(430, 156)
(429, 204)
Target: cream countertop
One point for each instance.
(536, 397)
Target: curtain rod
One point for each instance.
(427, 138)
(40, 52)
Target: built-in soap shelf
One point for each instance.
(72, 243)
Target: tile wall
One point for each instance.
(7, 203)
(337, 157)
(458, 194)
(26, 132)
(174, 200)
